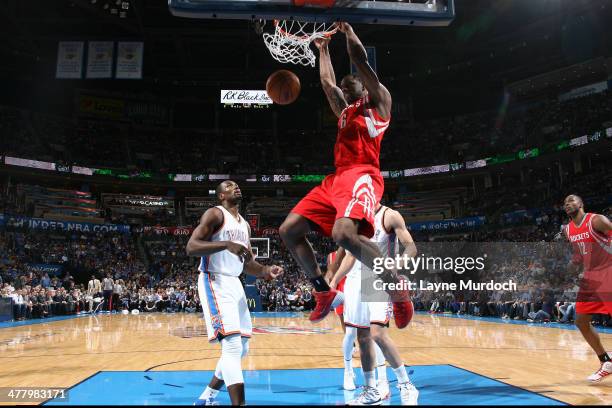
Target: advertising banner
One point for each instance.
(245, 97)
(42, 224)
(460, 223)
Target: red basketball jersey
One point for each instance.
(591, 248)
(360, 133)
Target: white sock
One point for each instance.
(370, 379)
(347, 347)
(381, 367)
(209, 393)
(401, 374)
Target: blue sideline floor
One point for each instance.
(438, 385)
(4, 325)
(567, 326)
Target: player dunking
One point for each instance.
(371, 319)
(591, 238)
(222, 241)
(343, 205)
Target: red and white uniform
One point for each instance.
(594, 250)
(331, 257)
(358, 311)
(357, 186)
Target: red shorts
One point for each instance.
(595, 294)
(594, 307)
(340, 288)
(352, 193)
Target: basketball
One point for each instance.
(283, 87)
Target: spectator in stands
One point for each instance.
(107, 290)
(117, 292)
(19, 306)
(45, 282)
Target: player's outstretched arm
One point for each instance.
(328, 78)
(346, 265)
(393, 221)
(199, 243)
(379, 95)
(334, 266)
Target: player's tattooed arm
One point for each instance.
(328, 78)
(199, 243)
(602, 224)
(336, 100)
(378, 93)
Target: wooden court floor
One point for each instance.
(551, 361)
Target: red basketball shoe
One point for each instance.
(403, 309)
(325, 302)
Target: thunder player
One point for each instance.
(591, 238)
(343, 205)
(334, 259)
(222, 242)
(371, 319)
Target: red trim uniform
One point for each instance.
(594, 250)
(357, 186)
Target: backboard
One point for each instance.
(261, 247)
(392, 12)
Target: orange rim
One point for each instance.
(325, 34)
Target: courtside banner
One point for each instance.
(129, 60)
(100, 59)
(42, 224)
(245, 97)
(70, 60)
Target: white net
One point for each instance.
(290, 42)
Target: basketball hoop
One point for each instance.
(290, 42)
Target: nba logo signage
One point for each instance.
(371, 52)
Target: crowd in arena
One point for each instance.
(546, 293)
(104, 144)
